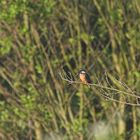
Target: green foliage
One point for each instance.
(6, 45)
(42, 38)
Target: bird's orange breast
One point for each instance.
(83, 78)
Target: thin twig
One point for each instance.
(99, 86)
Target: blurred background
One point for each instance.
(43, 43)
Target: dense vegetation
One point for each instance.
(43, 44)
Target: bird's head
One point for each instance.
(81, 72)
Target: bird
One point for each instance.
(84, 77)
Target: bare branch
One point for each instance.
(107, 88)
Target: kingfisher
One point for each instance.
(84, 77)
